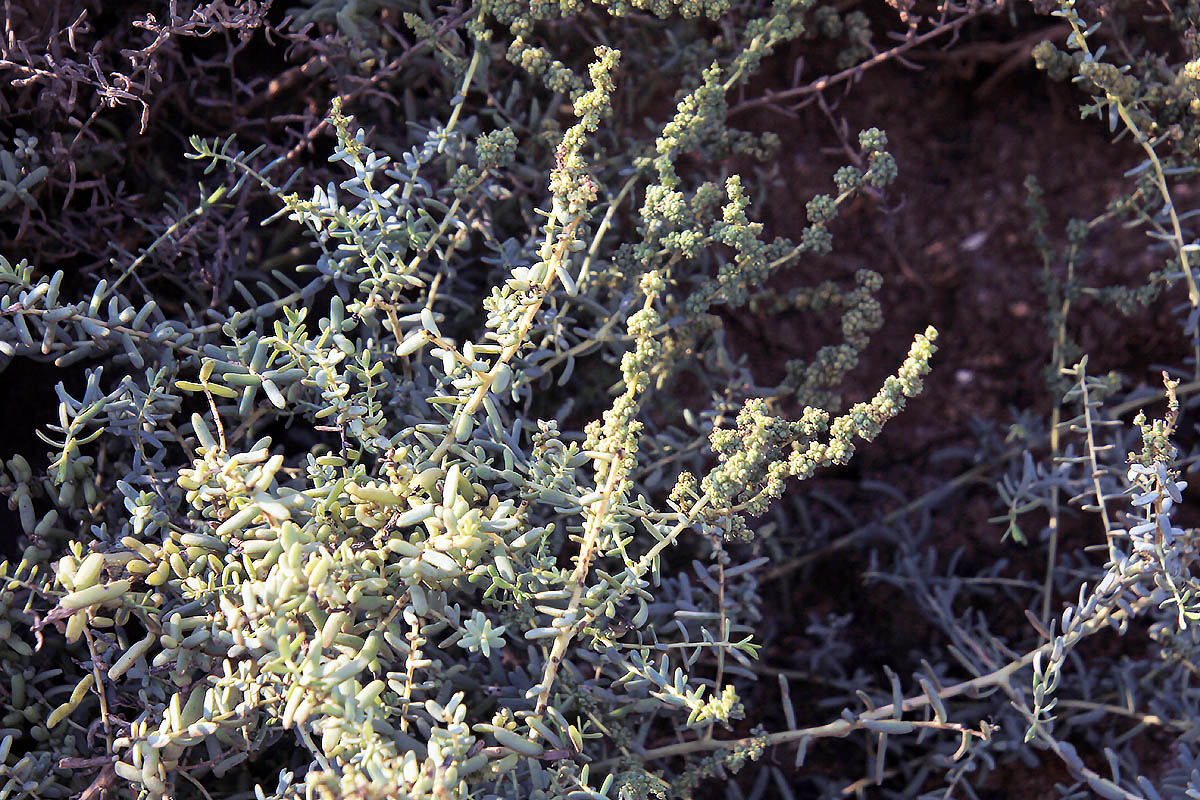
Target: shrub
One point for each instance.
(450, 483)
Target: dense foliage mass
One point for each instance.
(445, 480)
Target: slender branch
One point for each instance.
(821, 84)
(1001, 677)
